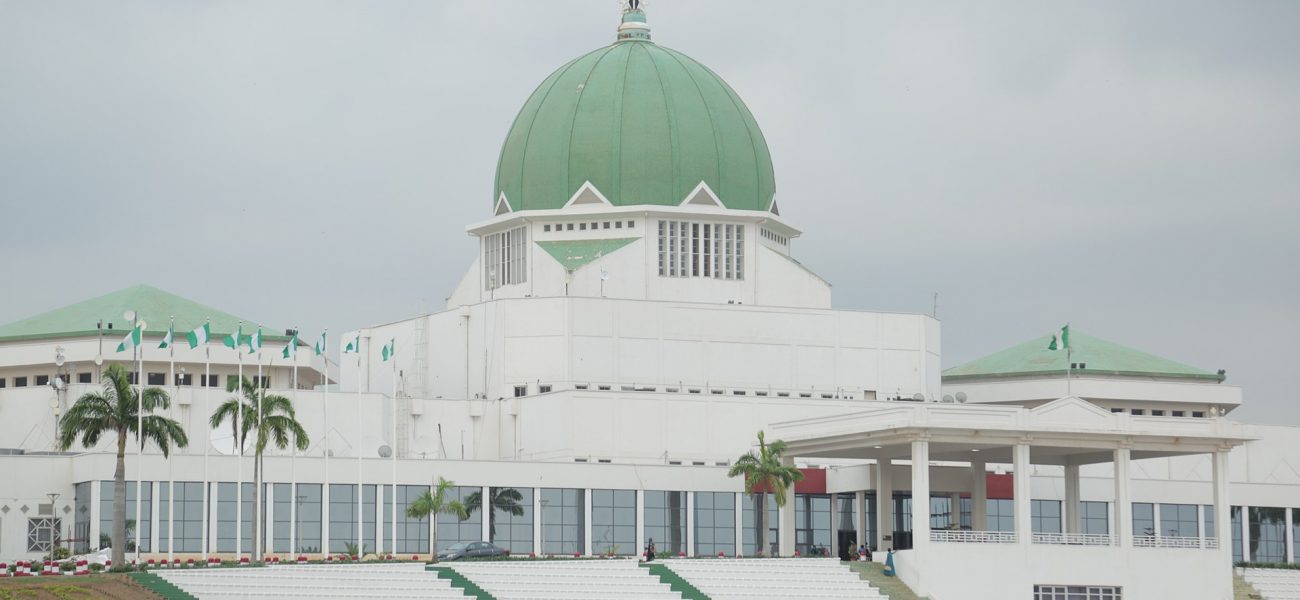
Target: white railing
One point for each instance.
(973, 537)
(1211, 543)
(1160, 541)
(1074, 539)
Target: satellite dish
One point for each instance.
(385, 451)
(961, 397)
(99, 361)
(58, 383)
(223, 441)
(129, 315)
(948, 398)
(142, 325)
(919, 397)
(58, 360)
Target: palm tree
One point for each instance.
(275, 423)
(432, 504)
(120, 409)
(765, 474)
(506, 500)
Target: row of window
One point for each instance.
(522, 390)
(773, 236)
(584, 226)
(714, 250)
(504, 258)
(1159, 412)
(181, 379)
(1077, 592)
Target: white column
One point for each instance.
(153, 516)
(380, 505)
(740, 524)
(211, 525)
(785, 518)
(325, 519)
(586, 523)
(486, 528)
(1123, 503)
(95, 516)
(1022, 490)
(954, 516)
(1157, 527)
(920, 493)
(1200, 524)
(884, 505)
(1290, 543)
(979, 496)
(1222, 517)
(835, 525)
(269, 515)
(294, 547)
(640, 523)
(859, 521)
(690, 523)
(1245, 533)
(537, 522)
(1071, 508)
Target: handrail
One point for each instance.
(1074, 539)
(977, 537)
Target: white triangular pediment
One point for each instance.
(1074, 412)
(587, 194)
(773, 209)
(503, 206)
(702, 195)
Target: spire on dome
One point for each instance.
(633, 26)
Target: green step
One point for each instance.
(467, 587)
(159, 586)
(675, 581)
(892, 587)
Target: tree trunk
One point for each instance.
(119, 502)
(765, 546)
(433, 539)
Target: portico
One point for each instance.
(1068, 434)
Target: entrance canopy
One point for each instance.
(1067, 431)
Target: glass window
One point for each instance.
(1045, 516)
(42, 380)
(613, 522)
(146, 512)
(43, 534)
(157, 379)
(1267, 534)
(1295, 532)
(281, 504)
(967, 522)
(715, 523)
(1236, 534)
(511, 523)
(1094, 517)
(812, 524)
(752, 526)
(869, 513)
(451, 529)
(1076, 592)
(504, 258)
(665, 521)
(226, 517)
(81, 517)
(412, 534)
(187, 515)
(1179, 520)
(1144, 518)
(343, 517)
(563, 520)
(1208, 511)
(308, 517)
(21, 382)
(1001, 514)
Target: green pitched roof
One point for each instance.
(1099, 356)
(153, 305)
(575, 253)
(644, 124)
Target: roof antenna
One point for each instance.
(934, 312)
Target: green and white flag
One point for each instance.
(1060, 339)
(353, 345)
(198, 336)
(320, 345)
(167, 339)
(292, 348)
(388, 349)
(232, 340)
(255, 341)
(131, 340)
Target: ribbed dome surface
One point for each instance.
(643, 123)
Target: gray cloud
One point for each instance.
(1131, 168)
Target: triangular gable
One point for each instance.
(573, 254)
(773, 209)
(702, 195)
(1072, 411)
(587, 194)
(503, 206)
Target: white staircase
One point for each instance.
(1274, 584)
(372, 582)
(773, 578)
(612, 579)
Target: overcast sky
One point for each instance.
(1132, 168)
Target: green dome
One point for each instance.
(642, 123)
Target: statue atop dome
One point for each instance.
(633, 26)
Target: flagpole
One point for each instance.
(326, 407)
(393, 454)
(171, 475)
(360, 469)
(239, 460)
(257, 463)
(292, 350)
(139, 432)
(207, 441)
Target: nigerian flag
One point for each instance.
(198, 336)
(320, 345)
(292, 348)
(255, 341)
(388, 349)
(131, 340)
(232, 340)
(353, 345)
(167, 339)
(1060, 339)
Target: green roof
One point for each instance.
(644, 124)
(154, 306)
(572, 254)
(1100, 357)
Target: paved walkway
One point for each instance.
(889, 586)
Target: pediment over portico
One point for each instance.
(1073, 412)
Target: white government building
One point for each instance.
(633, 317)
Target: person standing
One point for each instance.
(650, 550)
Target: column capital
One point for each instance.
(921, 436)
